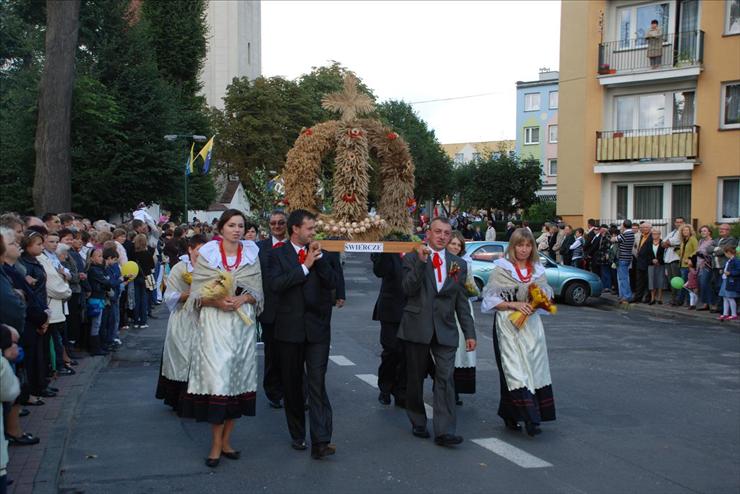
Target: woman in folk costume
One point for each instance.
(173, 375)
(521, 352)
(225, 298)
(464, 361)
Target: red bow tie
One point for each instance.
(437, 263)
(278, 244)
(301, 256)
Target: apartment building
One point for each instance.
(537, 126)
(649, 120)
(465, 152)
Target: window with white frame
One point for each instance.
(648, 201)
(531, 135)
(553, 100)
(730, 111)
(476, 156)
(634, 22)
(459, 158)
(729, 198)
(732, 17)
(531, 101)
(552, 167)
(655, 111)
(552, 134)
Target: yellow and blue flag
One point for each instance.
(189, 163)
(205, 153)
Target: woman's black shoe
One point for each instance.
(52, 388)
(47, 393)
(24, 412)
(532, 428)
(231, 455)
(212, 462)
(512, 425)
(23, 440)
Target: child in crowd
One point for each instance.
(692, 283)
(111, 314)
(100, 283)
(730, 289)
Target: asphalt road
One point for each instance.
(644, 405)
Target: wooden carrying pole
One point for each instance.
(371, 247)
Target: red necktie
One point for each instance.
(437, 263)
(301, 256)
(278, 244)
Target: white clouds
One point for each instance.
(419, 51)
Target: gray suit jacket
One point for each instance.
(428, 312)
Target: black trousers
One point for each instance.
(271, 382)
(641, 285)
(314, 358)
(392, 370)
(74, 319)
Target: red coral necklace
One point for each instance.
(523, 278)
(224, 262)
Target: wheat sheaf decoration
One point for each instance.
(353, 139)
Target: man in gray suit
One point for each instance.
(434, 283)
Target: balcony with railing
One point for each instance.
(667, 144)
(627, 61)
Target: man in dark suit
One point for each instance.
(271, 378)
(434, 284)
(303, 281)
(643, 255)
(388, 310)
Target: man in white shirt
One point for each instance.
(490, 233)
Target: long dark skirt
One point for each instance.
(36, 350)
(217, 409)
(465, 380)
(520, 404)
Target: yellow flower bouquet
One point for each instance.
(223, 287)
(538, 299)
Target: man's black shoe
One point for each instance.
(384, 398)
(275, 403)
(448, 440)
(420, 431)
(298, 445)
(321, 450)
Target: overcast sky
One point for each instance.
(422, 50)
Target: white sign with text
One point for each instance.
(373, 247)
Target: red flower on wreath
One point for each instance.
(392, 136)
(454, 271)
(411, 203)
(349, 198)
(354, 132)
(308, 132)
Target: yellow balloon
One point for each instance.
(130, 269)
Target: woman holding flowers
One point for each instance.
(516, 287)
(173, 376)
(225, 298)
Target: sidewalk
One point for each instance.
(666, 310)
(35, 468)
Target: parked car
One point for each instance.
(571, 285)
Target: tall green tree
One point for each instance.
(434, 173)
(501, 182)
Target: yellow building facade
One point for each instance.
(649, 114)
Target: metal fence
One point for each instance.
(683, 49)
(665, 224)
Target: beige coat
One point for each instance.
(654, 38)
(57, 291)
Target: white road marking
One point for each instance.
(341, 360)
(371, 379)
(512, 453)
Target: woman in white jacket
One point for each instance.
(57, 294)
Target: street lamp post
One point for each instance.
(195, 138)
